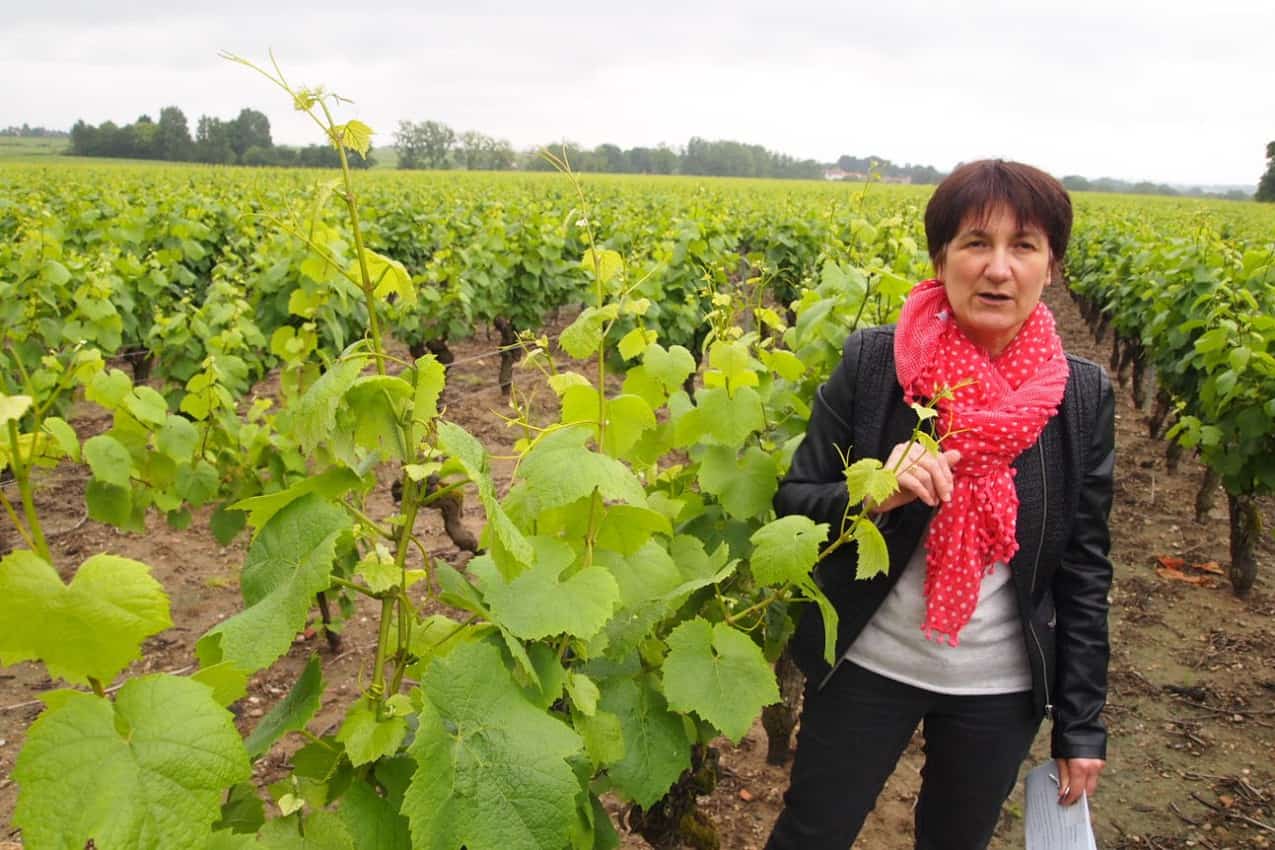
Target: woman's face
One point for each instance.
(994, 274)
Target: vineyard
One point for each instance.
(484, 465)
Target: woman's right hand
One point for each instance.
(922, 475)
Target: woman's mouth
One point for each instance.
(994, 297)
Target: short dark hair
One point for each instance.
(975, 188)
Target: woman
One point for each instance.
(994, 612)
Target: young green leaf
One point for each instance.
(108, 459)
(292, 713)
(561, 470)
(745, 486)
(655, 747)
(786, 549)
(148, 770)
(93, 627)
(492, 768)
(13, 407)
(354, 135)
(868, 478)
(540, 603)
(874, 558)
(718, 673)
(368, 738)
(373, 821)
(287, 564)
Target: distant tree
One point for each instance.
(612, 158)
(469, 149)
(250, 129)
(1266, 187)
(426, 144)
(111, 140)
(140, 138)
(498, 154)
(84, 139)
(172, 136)
(212, 141)
(645, 160)
(1076, 183)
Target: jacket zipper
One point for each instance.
(1031, 627)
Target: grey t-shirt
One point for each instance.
(990, 657)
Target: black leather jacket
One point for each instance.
(1061, 572)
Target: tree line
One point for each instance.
(1075, 183)
(1266, 187)
(243, 140)
(26, 131)
(433, 144)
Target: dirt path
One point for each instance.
(1192, 706)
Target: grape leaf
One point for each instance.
(324, 830)
(460, 444)
(110, 461)
(671, 367)
(656, 749)
(372, 820)
(560, 469)
(287, 564)
(389, 277)
(64, 435)
(539, 602)
(604, 265)
(375, 404)
(745, 485)
(718, 673)
(493, 771)
(292, 713)
(331, 484)
(627, 528)
(13, 407)
(314, 416)
(722, 418)
(874, 557)
(147, 405)
(353, 134)
(430, 378)
(786, 549)
(178, 438)
(229, 683)
(92, 627)
(148, 770)
(583, 336)
(367, 737)
(868, 478)
(735, 363)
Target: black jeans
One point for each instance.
(853, 731)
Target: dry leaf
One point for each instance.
(1174, 575)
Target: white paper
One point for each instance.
(1049, 825)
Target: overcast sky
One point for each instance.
(1178, 91)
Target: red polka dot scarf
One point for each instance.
(998, 409)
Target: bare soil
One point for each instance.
(1191, 707)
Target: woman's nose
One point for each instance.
(998, 266)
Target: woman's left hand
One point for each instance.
(1076, 777)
